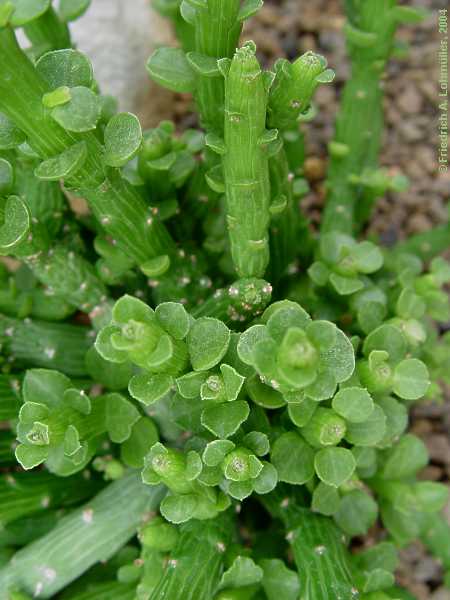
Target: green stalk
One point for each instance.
(356, 146)
(245, 163)
(9, 397)
(196, 564)
(114, 202)
(217, 31)
(86, 536)
(25, 494)
(319, 548)
(57, 346)
(48, 32)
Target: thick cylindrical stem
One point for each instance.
(245, 164)
(115, 203)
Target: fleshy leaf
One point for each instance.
(174, 319)
(257, 442)
(233, 381)
(121, 415)
(10, 135)
(81, 113)
(334, 466)
(31, 456)
(368, 432)
(178, 509)
(279, 581)
(64, 165)
(67, 67)
(243, 572)
(340, 359)
(143, 435)
(27, 10)
(16, 224)
(357, 512)
(223, 420)
(105, 348)
(123, 138)
(148, 389)
(189, 385)
(216, 451)
(70, 10)
(325, 499)
(411, 379)
(170, 68)
(293, 458)
(388, 338)
(266, 480)
(208, 341)
(354, 404)
(44, 386)
(407, 457)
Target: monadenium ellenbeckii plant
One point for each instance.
(200, 391)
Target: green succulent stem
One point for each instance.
(356, 146)
(245, 164)
(59, 346)
(81, 539)
(26, 494)
(48, 32)
(196, 563)
(115, 203)
(217, 30)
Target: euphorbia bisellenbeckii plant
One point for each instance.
(201, 397)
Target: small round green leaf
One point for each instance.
(64, 165)
(279, 581)
(334, 466)
(174, 319)
(81, 113)
(67, 67)
(407, 457)
(123, 138)
(293, 459)
(16, 224)
(143, 435)
(170, 68)
(357, 512)
(6, 177)
(369, 432)
(178, 509)
(208, 342)
(28, 10)
(263, 395)
(266, 480)
(121, 415)
(223, 420)
(216, 451)
(113, 376)
(354, 404)
(368, 257)
(72, 9)
(10, 135)
(243, 572)
(388, 338)
(105, 348)
(31, 456)
(44, 386)
(411, 379)
(148, 389)
(325, 499)
(340, 359)
(248, 340)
